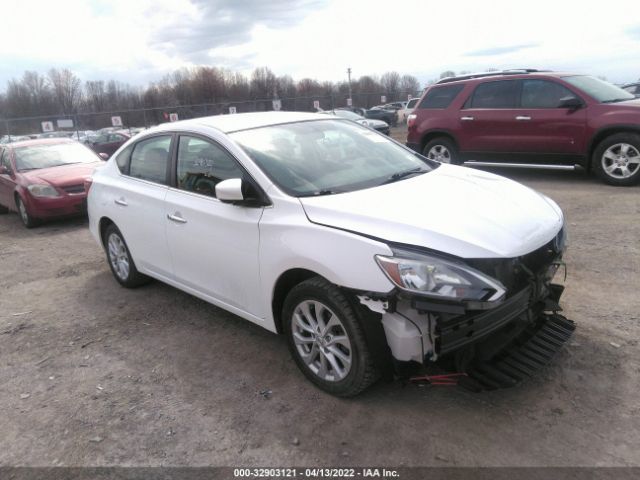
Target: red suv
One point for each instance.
(530, 117)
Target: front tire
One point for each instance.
(27, 219)
(616, 160)
(122, 266)
(442, 150)
(3, 210)
(326, 340)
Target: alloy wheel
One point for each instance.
(621, 160)
(118, 256)
(439, 153)
(23, 212)
(321, 340)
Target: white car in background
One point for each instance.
(363, 253)
(403, 113)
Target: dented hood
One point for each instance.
(455, 210)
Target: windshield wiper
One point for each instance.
(320, 193)
(400, 175)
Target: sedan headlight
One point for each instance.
(439, 278)
(39, 190)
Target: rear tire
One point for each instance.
(616, 160)
(119, 258)
(443, 150)
(326, 340)
(27, 219)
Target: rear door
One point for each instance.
(7, 181)
(136, 202)
(214, 245)
(487, 120)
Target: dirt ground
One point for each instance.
(94, 374)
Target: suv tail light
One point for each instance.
(411, 119)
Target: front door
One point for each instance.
(214, 245)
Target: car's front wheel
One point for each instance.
(28, 220)
(120, 261)
(441, 150)
(326, 339)
(616, 160)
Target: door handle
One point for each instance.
(176, 218)
(121, 201)
(466, 119)
(523, 117)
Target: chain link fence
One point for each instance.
(80, 123)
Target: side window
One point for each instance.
(150, 159)
(122, 160)
(203, 164)
(500, 94)
(440, 97)
(543, 94)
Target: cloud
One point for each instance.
(489, 52)
(634, 32)
(217, 24)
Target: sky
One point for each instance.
(139, 41)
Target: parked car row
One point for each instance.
(530, 117)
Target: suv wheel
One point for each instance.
(616, 160)
(120, 261)
(326, 340)
(441, 150)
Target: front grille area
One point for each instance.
(79, 188)
(514, 272)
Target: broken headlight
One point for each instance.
(439, 278)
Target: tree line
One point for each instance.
(60, 91)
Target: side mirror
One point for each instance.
(230, 190)
(103, 156)
(572, 103)
(4, 170)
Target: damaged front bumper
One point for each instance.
(498, 347)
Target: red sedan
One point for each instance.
(43, 179)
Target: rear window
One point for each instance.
(440, 97)
(500, 94)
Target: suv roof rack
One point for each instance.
(469, 76)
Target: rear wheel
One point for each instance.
(326, 339)
(616, 160)
(27, 219)
(441, 150)
(120, 261)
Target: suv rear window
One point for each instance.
(500, 94)
(440, 97)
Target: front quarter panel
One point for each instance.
(288, 240)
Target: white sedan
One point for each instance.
(357, 249)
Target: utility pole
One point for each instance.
(349, 76)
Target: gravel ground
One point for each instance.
(94, 374)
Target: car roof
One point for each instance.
(40, 141)
(241, 121)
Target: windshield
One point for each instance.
(348, 115)
(52, 155)
(603, 92)
(328, 156)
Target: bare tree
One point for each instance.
(391, 84)
(67, 89)
(409, 85)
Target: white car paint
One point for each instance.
(454, 210)
(232, 256)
